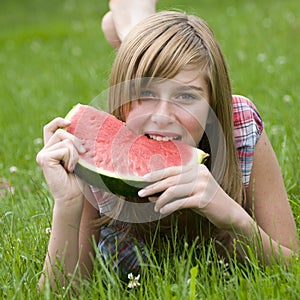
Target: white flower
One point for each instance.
(133, 281)
(38, 141)
(287, 98)
(48, 230)
(261, 57)
(13, 169)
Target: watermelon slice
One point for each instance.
(116, 159)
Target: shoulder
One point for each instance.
(245, 111)
(248, 127)
(248, 124)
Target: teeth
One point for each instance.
(162, 138)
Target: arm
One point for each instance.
(270, 226)
(69, 243)
(194, 187)
(63, 251)
(267, 200)
(87, 235)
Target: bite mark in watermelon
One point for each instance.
(116, 159)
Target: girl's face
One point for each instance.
(174, 109)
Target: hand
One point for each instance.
(191, 187)
(58, 159)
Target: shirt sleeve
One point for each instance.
(248, 127)
(106, 201)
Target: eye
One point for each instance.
(187, 97)
(146, 94)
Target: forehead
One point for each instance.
(191, 77)
(186, 79)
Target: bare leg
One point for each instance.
(123, 15)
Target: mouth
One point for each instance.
(164, 138)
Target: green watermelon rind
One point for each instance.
(121, 185)
(124, 185)
(108, 182)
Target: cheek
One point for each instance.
(136, 118)
(194, 128)
(194, 122)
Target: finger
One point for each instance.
(167, 172)
(52, 158)
(176, 205)
(152, 198)
(188, 197)
(52, 126)
(54, 155)
(56, 174)
(61, 135)
(172, 194)
(172, 180)
(70, 157)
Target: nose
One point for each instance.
(163, 113)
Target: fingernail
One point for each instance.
(82, 149)
(141, 193)
(152, 199)
(147, 176)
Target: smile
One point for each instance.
(163, 138)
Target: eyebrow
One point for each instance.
(180, 87)
(191, 87)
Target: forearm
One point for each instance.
(251, 237)
(226, 214)
(63, 248)
(267, 199)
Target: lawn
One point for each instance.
(53, 55)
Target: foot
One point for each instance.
(123, 16)
(109, 30)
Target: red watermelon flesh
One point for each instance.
(116, 154)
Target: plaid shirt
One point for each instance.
(248, 127)
(122, 249)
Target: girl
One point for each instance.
(179, 88)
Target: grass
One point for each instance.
(53, 55)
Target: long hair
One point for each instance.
(163, 45)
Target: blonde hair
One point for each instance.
(163, 45)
